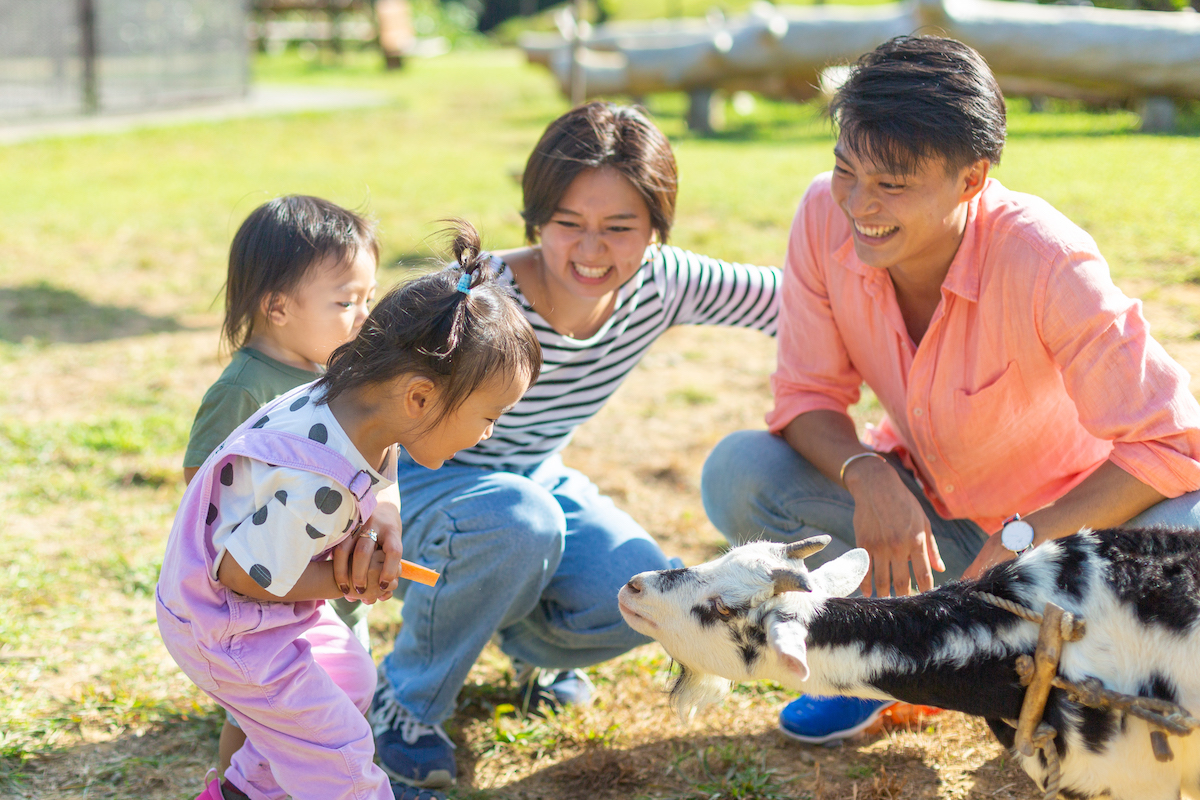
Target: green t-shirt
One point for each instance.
(249, 382)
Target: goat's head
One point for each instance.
(728, 620)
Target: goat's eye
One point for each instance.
(722, 609)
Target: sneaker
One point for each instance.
(213, 790)
(545, 689)
(817, 720)
(409, 751)
(403, 791)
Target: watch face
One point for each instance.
(1017, 535)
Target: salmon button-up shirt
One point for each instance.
(1035, 368)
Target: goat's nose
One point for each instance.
(635, 584)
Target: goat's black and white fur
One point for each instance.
(741, 617)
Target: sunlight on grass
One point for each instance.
(115, 252)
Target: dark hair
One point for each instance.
(919, 97)
(275, 249)
(459, 340)
(597, 135)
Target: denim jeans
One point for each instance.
(755, 486)
(535, 558)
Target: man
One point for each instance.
(1024, 396)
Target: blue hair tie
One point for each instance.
(464, 283)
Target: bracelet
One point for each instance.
(852, 459)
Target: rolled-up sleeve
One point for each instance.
(1124, 385)
(814, 371)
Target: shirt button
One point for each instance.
(932, 458)
(949, 488)
(917, 412)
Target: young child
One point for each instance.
(300, 281)
(239, 597)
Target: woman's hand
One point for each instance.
(352, 557)
(891, 526)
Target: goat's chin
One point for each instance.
(694, 690)
(637, 621)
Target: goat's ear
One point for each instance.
(843, 575)
(806, 547)
(790, 580)
(786, 639)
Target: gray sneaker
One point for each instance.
(541, 688)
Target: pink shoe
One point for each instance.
(212, 789)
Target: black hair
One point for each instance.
(276, 248)
(458, 339)
(915, 98)
(592, 136)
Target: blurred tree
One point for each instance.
(496, 11)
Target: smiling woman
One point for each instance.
(599, 289)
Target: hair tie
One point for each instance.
(464, 283)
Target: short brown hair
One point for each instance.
(915, 98)
(276, 248)
(597, 135)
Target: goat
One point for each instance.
(758, 613)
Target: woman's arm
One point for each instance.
(708, 291)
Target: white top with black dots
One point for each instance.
(275, 520)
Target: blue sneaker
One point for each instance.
(409, 751)
(402, 791)
(817, 720)
(547, 689)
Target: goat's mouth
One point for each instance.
(635, 620)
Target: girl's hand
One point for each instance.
(352, 556)
(891, 526)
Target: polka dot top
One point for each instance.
(275, 520)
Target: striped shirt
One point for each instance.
(672, 287)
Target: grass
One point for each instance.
(113, 256)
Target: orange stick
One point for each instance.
(415, 572)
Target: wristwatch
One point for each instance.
(1016, 535)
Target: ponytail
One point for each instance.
(457, 339)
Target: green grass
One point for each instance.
(113, 256)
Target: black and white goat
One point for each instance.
(757, 613)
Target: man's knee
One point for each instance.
(735, 476)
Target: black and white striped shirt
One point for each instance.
(672, 287)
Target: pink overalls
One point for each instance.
(292, 674)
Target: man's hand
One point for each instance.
(993, 553)
(891, 526)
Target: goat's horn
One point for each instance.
(806, 547)
(787, 580)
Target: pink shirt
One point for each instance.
(1034, 371)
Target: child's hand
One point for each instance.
(376, 588)
(352, 556)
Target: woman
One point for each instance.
(530, 551)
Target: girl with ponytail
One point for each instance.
(239, 606)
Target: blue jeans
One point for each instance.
(755, 486)
(536, 558)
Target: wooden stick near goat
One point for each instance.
(759, 613)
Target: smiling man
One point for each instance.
(1023, 395)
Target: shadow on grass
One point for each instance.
(46, 313)
(167, 759)
(758, 767)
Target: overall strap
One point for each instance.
(283, 449)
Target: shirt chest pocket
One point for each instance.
(990, 421)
